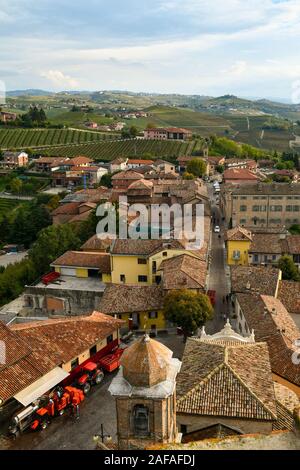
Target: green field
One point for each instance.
(129, 148)
(32, 138)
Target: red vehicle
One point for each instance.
(111, 362)
(50, 277)
(92, 375)
(212, 296)
(38, 415)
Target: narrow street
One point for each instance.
(218, 280)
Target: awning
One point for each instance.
(41, 386)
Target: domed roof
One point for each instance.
(145, 363)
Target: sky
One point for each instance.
(205, 47)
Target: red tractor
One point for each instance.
(38, 415)
(92, 375)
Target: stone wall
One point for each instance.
(43, 301)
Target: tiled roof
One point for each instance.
(127, 175)
(143, 247)
(184, 271)
(272, 323)
(36, 348)
(221, 380)
(145, 363)
(80, 160)
(121, 298)
(273, 189)
(84, 259)
(293, 244)
(139, 162)
(239, 174)
(96, 244)
(70, 208)
(238, 233)
(261, 279)
(289, 294)
(286, 401)
(269, 243)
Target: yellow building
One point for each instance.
(84, 265)
(141, 307)
(137, 262)
(238, 241)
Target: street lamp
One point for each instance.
(102, 435)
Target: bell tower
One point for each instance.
(145, 392)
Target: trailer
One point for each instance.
(111, 362)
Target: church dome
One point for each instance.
(145, 363)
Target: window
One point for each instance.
(109, 339)
(256, 258)
(274, 257)
(243, 221)
(152, 314)
(141, 420)
(93, 351)
(165, 253)
(142, 278)
(259, 208)
(142, 261)
(236, 254)
(74, 363)
(276, 197)
(289, 208)
(296, 208)
(275, 208)
(255, 208)
(122, 277)
(244, 197)
(243, 208)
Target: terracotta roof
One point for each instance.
(69, 208)
(145, 363)
(286, 402)
(293, 244)
(215, 159)
(33, 349)
(127, 175)
(272, 323)
(238, 174)
(96, 244)
(121, 298)
(84, 259)
(184, 271)
(269, 243)
(136, 161)
(80, 160)
(118, 161)
(238, 233)
(220, 380)
(143, 247)
(80, 217)
(261, 279)
(289, 294)
(141, 184)
(273, 189)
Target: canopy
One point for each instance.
(41, 386)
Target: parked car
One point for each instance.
(217, 229)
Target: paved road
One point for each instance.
(13, 196)
(11, 258)
(218, 280)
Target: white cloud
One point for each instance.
(60, 80)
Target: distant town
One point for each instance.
(114, 343)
